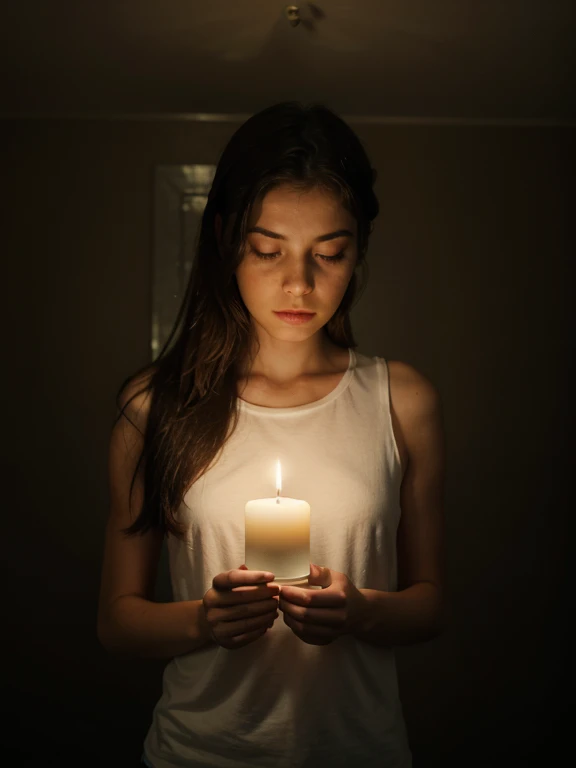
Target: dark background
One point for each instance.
(469, 282)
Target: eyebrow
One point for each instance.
(321, 239)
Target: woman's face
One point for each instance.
(304, 269)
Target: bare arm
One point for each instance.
(130, 622)
(140, 627)
(401, 618)
(417, 612)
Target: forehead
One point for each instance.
(288, 204)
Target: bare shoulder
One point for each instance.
(414, 404)
(411, 390)
(134, 399)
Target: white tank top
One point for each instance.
(280, 702)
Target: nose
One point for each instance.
(298, 278)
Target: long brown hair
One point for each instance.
(193, 382)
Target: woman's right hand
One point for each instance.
(240, 607)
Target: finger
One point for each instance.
(249, 594)
(322, 617)
(239, 626)
(329, 598)
(244, 610)
(238, 577)
(241, 640)
(313, 635)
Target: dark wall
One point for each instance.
(469, 283)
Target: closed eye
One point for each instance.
(261, 255)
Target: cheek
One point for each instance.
(250, 285)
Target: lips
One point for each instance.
(295, 318)
(295, 312)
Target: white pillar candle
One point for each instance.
(277, 536)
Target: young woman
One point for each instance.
(238, 385)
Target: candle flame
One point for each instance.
(278, 477)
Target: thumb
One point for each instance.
(319, 576)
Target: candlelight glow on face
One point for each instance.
(277, 536)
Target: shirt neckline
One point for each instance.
(336, 392)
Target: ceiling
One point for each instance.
(406, 59)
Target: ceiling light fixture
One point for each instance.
(292, 13)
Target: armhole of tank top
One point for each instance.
(385, 404)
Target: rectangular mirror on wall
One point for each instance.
(180, 196)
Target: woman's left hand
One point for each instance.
(320, 616)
